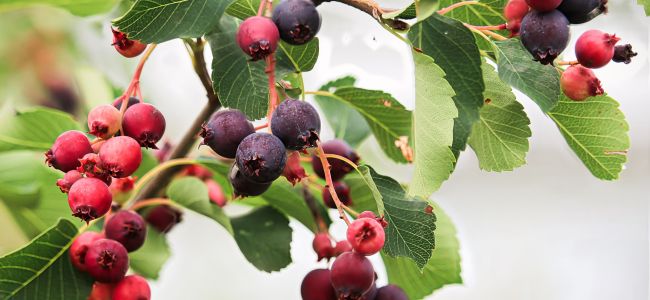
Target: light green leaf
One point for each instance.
(152, 256)
(191, 193)
(597, 132)
(148, 162)
(34, 129)
(646, 6)
(405, 13)
(284, 197)
(298, 58)
(79, 8)
(500, 138)
(425, 8)
(487, 12)
(242, 9)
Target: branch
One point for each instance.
(373, 9)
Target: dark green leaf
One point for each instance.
(152, 256)
(191, 193)
(148, 162)
(298, 58)
(487, 12)
(34, 129)
(285, 198)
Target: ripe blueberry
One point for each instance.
(624, 54)
(132, 101)
(164, 217)
(338, 168)
(293, 170)
(104, 121)
(296, 123)
(89, 199)
(242, 186)
(366, 236)
(66, 151)
(261, 157)
(342, 247)
(101, 291)
(543, 5)
(68, 179)
(128, 228)
(144, 123)
(578, 83)
(322, 245)
(215, 192)
(342, 191)
(352, 275)
(120, 156)
(91, 166)
(297, 20)
(391, 292)
(545, 34)
(514, 11)
(595, 49)
(317, 285)
(225, 130)
(132, 287)
(79, 248)
(125, 46)
(258, 37)
(106, 261)
(582, 11)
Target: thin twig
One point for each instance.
(456, 5)
(330, 182)
(151, 202)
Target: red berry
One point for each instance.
(342, 191)
(578, 83)
(367, 214)
(342, 247)
(371, 293)
(89, 199)
(132, 287)
(79, 248)
(366, 236)
(293, 170)
(544, 5)
(120, 156)
(391, 292)
(104, 121)
(352, 275)
(338, 168)
(317, 285)
(164, 217)
(125, 46)
(106, 261)
(258, 37)
(121, 185)
(128, 228)
(66, 151)
(514, 12)
(91, 166)
(101, 291)
(197, 171)
(68, 179)
(215, 192)
(322, 246)
(594, 48)
(145, 124)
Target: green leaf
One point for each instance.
(453, 47)
(487, 12)
(345, 121)
(442, 269)
(264, 237)
(157, 21)
(433, 124)
(191, 193)
(242, 9)
(517, 68)
(500, 138)
(79, 8)
(405, 13)
(283, 197)
(425, 8)
(646, 6)
(597, 132)
(17, 172)
(148, 162)
(34, 129)
(42, 269)
(298, 58)
(151, 257)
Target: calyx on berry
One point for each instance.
(128, 228)
(120, 156)
(258, 37)
(68, 179)
(79, 248)
(366, 236)
(104, 121)
(623, 54)
(125, 46)
(261, 157)
(106, 260)
(296, 123)
(145, 123)
(578, 83)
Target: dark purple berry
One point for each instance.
(391, 292)
(297, 20)
(225, 130)
(261, 157)
(623, 54)
(582, 11)
(545, 34)
(106, 260)
(296, 123)
(258, 37)
(317, 285)
(543, 5)
(342, 191)
(145, 124)
(128, 228)
(352, 275)
(164, 217)
(338, 168)
(66, 151)
(242, 186)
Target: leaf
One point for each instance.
(42, 269)
(425, 8)
(517, 68)
(597, 132)
(646, 6)
(157, 21)
(500, 138)
(79, 8)
(242, 9)
(405, 13)
(453, 47)
(152, 256)
(442, 269)
(283, 197)
(487, 12)
(298, 58)
(34, 129)
(148, 162)
(433, 124)
(191, 193)
(17, 172)
(264, 237)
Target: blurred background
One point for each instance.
(548, 230)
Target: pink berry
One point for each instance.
(121, 156)
(371, 215)
(342, 247)
(145, 124)
(125, 46)
(322, 246)
(163, 217)
(66, 151)
(101, 291)
(79, 248)
(132, 287)
(544, 5)
(342, 191)
(258, 37)
(317, 285)
(366, 236)
(215, 193)
(391, 292)
(128, 228)
(106, 261)
(104, 121)
(68, 179)
(352, 275)
(91, 166)
(514, 12)
(89, 199)
(595, 49)
(579, 83)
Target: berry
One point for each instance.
(293, 170)
(296, 123)
(122, 185)
(79, 248)
(371, 293)
(338, 168)
(163, 153)
(242, 186)
(582, 11)
(128, 228)
(67, 149)
(322, 246)
(104, 121)
(342, 191)
(352, 275)
(144, 123)
(89, 199)
(197, 171)
(225, 130)
(125, 46)
(317, 285)
(91, 167)
(297, 20)
(120, 156)
(215, 193)
(97, 145)
(68, 179)
(261, 157)
(623, 54)
(106, 261)
(578, 83)
(342, 247)
(101, 291)
(367, 214)
(514, 11)
(258, 37)
(391, 292)
(543, 5)
(132, 101)
(132, 287)
(595, 49)
(366, 236)
(164, 217)
(545, 34)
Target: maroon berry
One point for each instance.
(242, 186)
(132, 101)
(342, 247)
(198, 171)
(594, 48)
(125, 46)
(91, 166)
(366, 236)
(104, 121)
(101, 291)
(545, 34)
(317, 285)
(132, 287)
(89, 199)
(391, 292)
(544, 5)
(578, 83)
(258, 37)
(296, 123)
(128, 228)
(225, 130)
(342, 191)
(322, 246)
(79, 248)
(164, 217)
(514, 12)
(66, 151)
(68, 179)
(293, 170)
(352, 275)
(145, 124)
(338, 168)
(623, 54)
(215, 192)
(120, 156)
(261, 157)
(122, 185)
(106, 261)
(371, 293)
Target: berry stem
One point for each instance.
(261, 7)
(313, 208)
(485, 33)
(567, 63)
(150, 202)
(489, 27)
(330, 182)
(456, 5)
(351, 211)
(157, 171)
(373, 9)
(345, 160)
(265, 125)
(134, 86)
